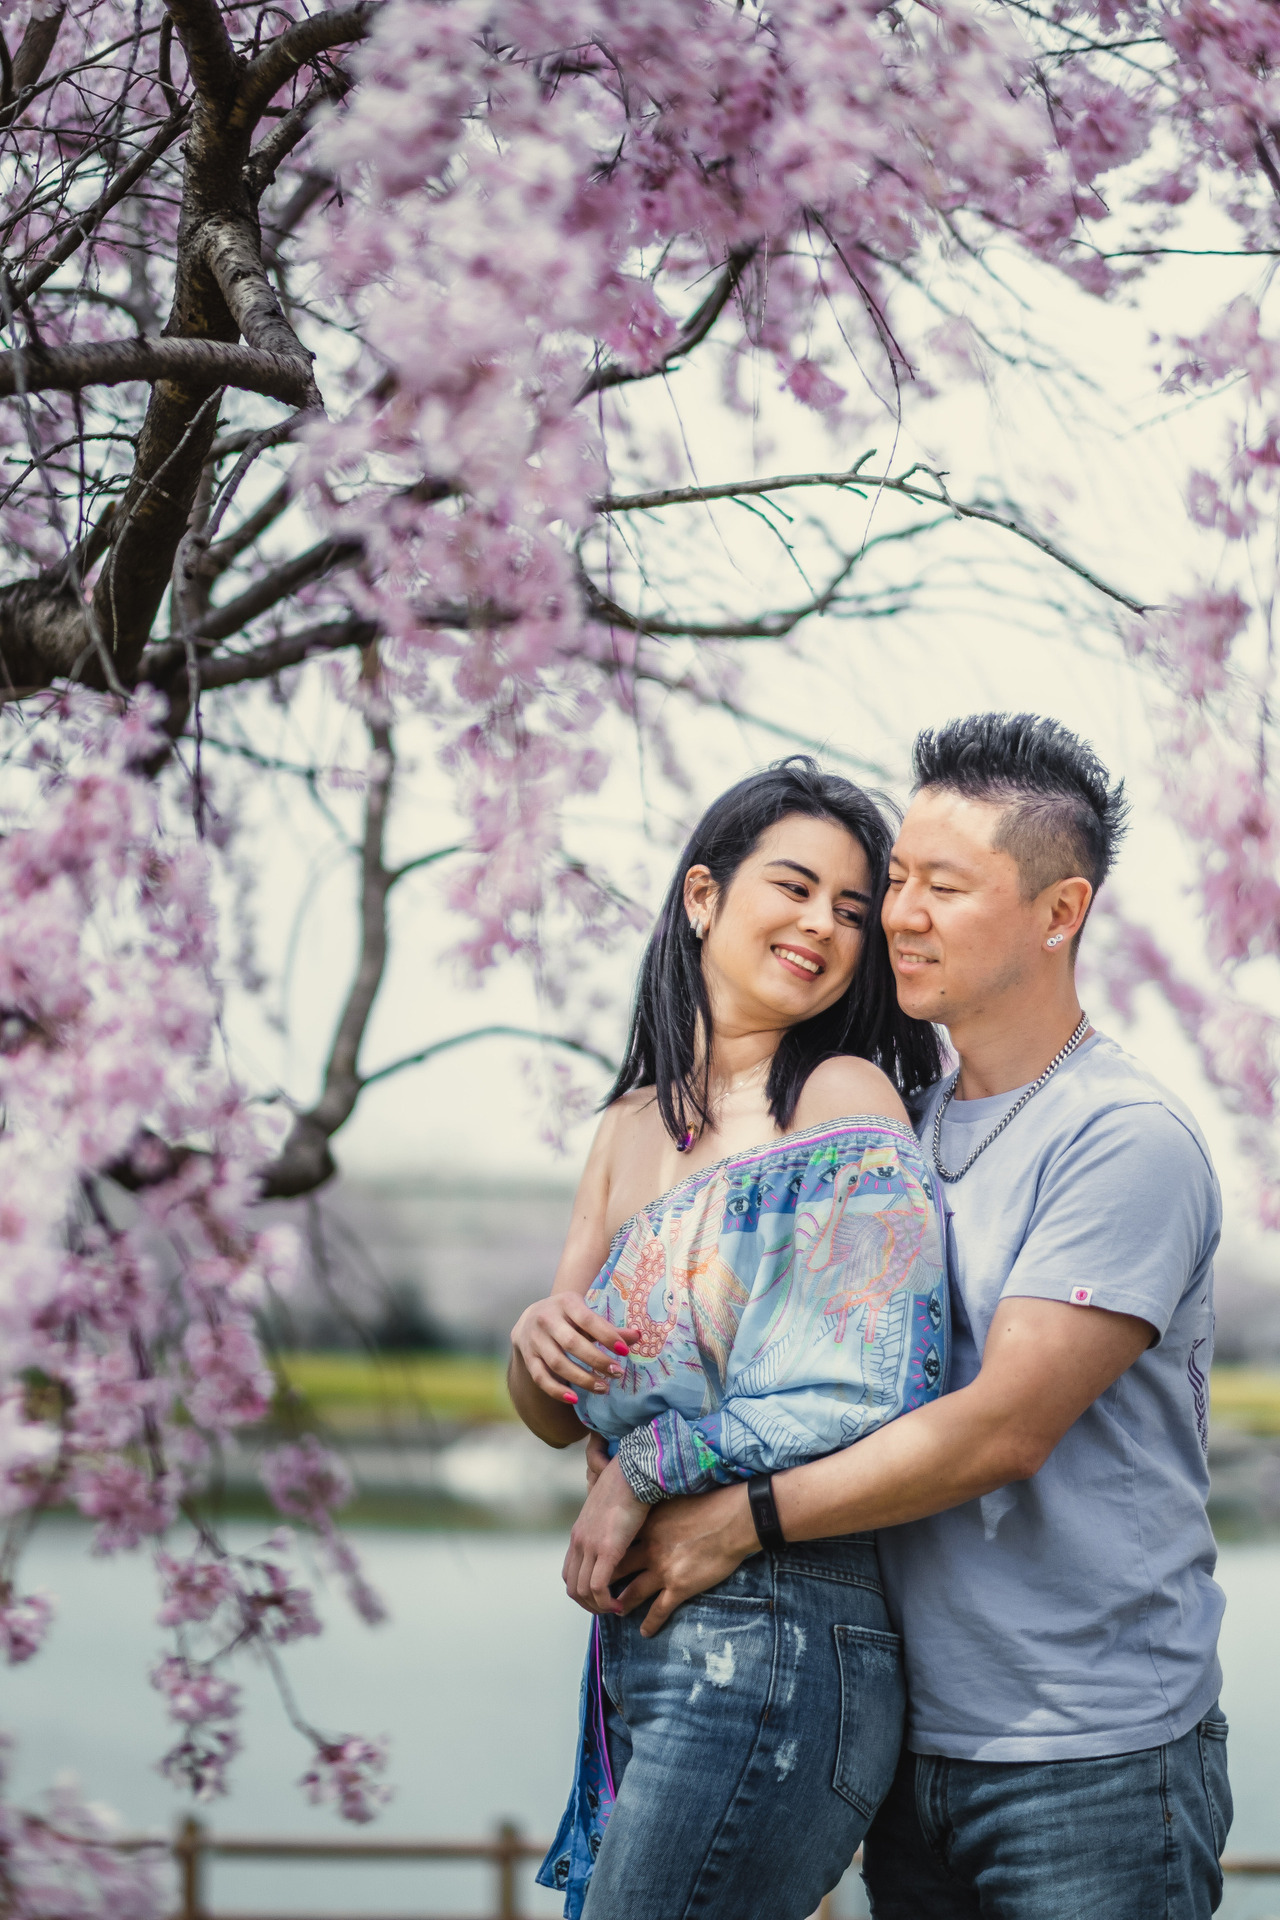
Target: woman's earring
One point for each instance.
(1055, 939)
(698, 929)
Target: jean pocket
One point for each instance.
(873, 1699)
(1212, 1740)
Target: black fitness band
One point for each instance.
(764, 1512)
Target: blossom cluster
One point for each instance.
(510, 174)
(132, 1260)
(60, 1864)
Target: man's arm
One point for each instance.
(1044, 1364)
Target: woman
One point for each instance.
(754, 1276)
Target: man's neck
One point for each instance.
(1004, 1047)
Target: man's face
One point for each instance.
(960, 933)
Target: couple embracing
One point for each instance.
(894, 1381)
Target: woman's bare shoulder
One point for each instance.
(847, 1084)
(625, 1123)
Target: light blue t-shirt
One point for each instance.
(1075, 1614)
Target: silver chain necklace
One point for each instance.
(1016, 1108)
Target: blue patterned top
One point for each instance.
(790, 1300)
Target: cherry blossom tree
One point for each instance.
(332, 338)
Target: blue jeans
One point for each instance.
(1136, 1836)
(750, 1741)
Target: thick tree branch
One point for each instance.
(30, 61)
(289, 132)
(221, 622)
(277, 63)
(932, 492)
(202, 364)
(111, 196)
(211, 58)
(305, 1161)
(230, 248)
(161, 664)
(694, 331)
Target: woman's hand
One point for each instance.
(597, 1457)
(610, 1520)
(565, 1348)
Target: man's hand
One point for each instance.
(608, 1523)
(685, 1547)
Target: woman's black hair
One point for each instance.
(672, 1005)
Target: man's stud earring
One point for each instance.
(1055, 939)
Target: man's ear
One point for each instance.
(1066, 903)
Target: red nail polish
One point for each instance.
(571, 1396)
(620, 1346)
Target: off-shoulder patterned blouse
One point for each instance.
(790, 1299)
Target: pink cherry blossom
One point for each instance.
(342, 1775)
(24, 1622)
(194, 1588)
(306, 1479)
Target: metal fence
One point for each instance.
(194, 1846)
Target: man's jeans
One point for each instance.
(1133, 1837)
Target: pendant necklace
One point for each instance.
(1017, 1106)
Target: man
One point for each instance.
(1042, 1526)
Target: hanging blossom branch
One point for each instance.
(123, 1382)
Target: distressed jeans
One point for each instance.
(1136, 1836)
(750, 1741)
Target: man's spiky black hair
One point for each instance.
(1062, 815)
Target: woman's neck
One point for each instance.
(740, 1062)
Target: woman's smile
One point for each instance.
(800, 961)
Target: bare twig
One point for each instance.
(84, 223)
(489, 1033)
(932, 492)
(694, 331)
(160, 664)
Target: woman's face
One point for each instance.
(782, 939)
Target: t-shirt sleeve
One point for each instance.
(1123, 1219)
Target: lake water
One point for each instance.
(475, 1680)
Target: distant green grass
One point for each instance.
(1247, 1398)
(355, 1389)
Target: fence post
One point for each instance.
(188, 1851)
(507, 1854)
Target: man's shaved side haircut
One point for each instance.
(1062, 816)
